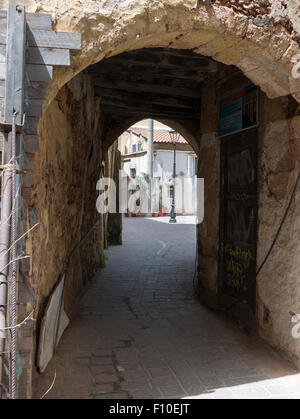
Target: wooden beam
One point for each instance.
(147, 87)
(47, 56)
(33, 20)
(15, 60)
(31, 124)
(150, 59)
(39, 72)
(146, 98)
(183, 53)
(113, 111)
(51, 39)
(148, 107)
(39, 21)
(31, 143)
(106, 68)
(36, 90)
(139, 106)
(34, 107)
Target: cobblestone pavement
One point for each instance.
(140, 331)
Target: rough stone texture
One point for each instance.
(247, 7)
(66, 170)
(279, 281)
(221, 29)
(209, 159)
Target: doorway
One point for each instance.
(238, 229)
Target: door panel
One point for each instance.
(239, 214)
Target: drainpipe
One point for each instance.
(4, 246)
(150, 162)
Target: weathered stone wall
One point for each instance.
(253, 35)
(209, 169)
(278, 284)
(67, 167)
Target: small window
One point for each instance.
(136, 147)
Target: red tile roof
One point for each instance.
(159, 135)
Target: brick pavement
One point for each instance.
(140, 331)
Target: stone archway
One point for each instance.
(254, 37)
(190, 133)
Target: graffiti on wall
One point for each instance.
(237, 262)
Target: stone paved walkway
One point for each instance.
(140, 331)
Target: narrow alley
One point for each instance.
(141, 332)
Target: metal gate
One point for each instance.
(239, 215)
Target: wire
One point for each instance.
(280, 226)
(21, 237)
(29, 317)
(50, 388)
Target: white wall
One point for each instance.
(163, 168)
(163, 163)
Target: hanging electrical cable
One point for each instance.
(280, 225)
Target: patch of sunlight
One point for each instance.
(180, 219)
(254, 388)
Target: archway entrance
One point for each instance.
(78, 125)
(225, 127)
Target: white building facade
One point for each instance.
(133, 145)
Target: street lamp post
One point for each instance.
(174, 137)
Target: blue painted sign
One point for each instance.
(238, 110)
